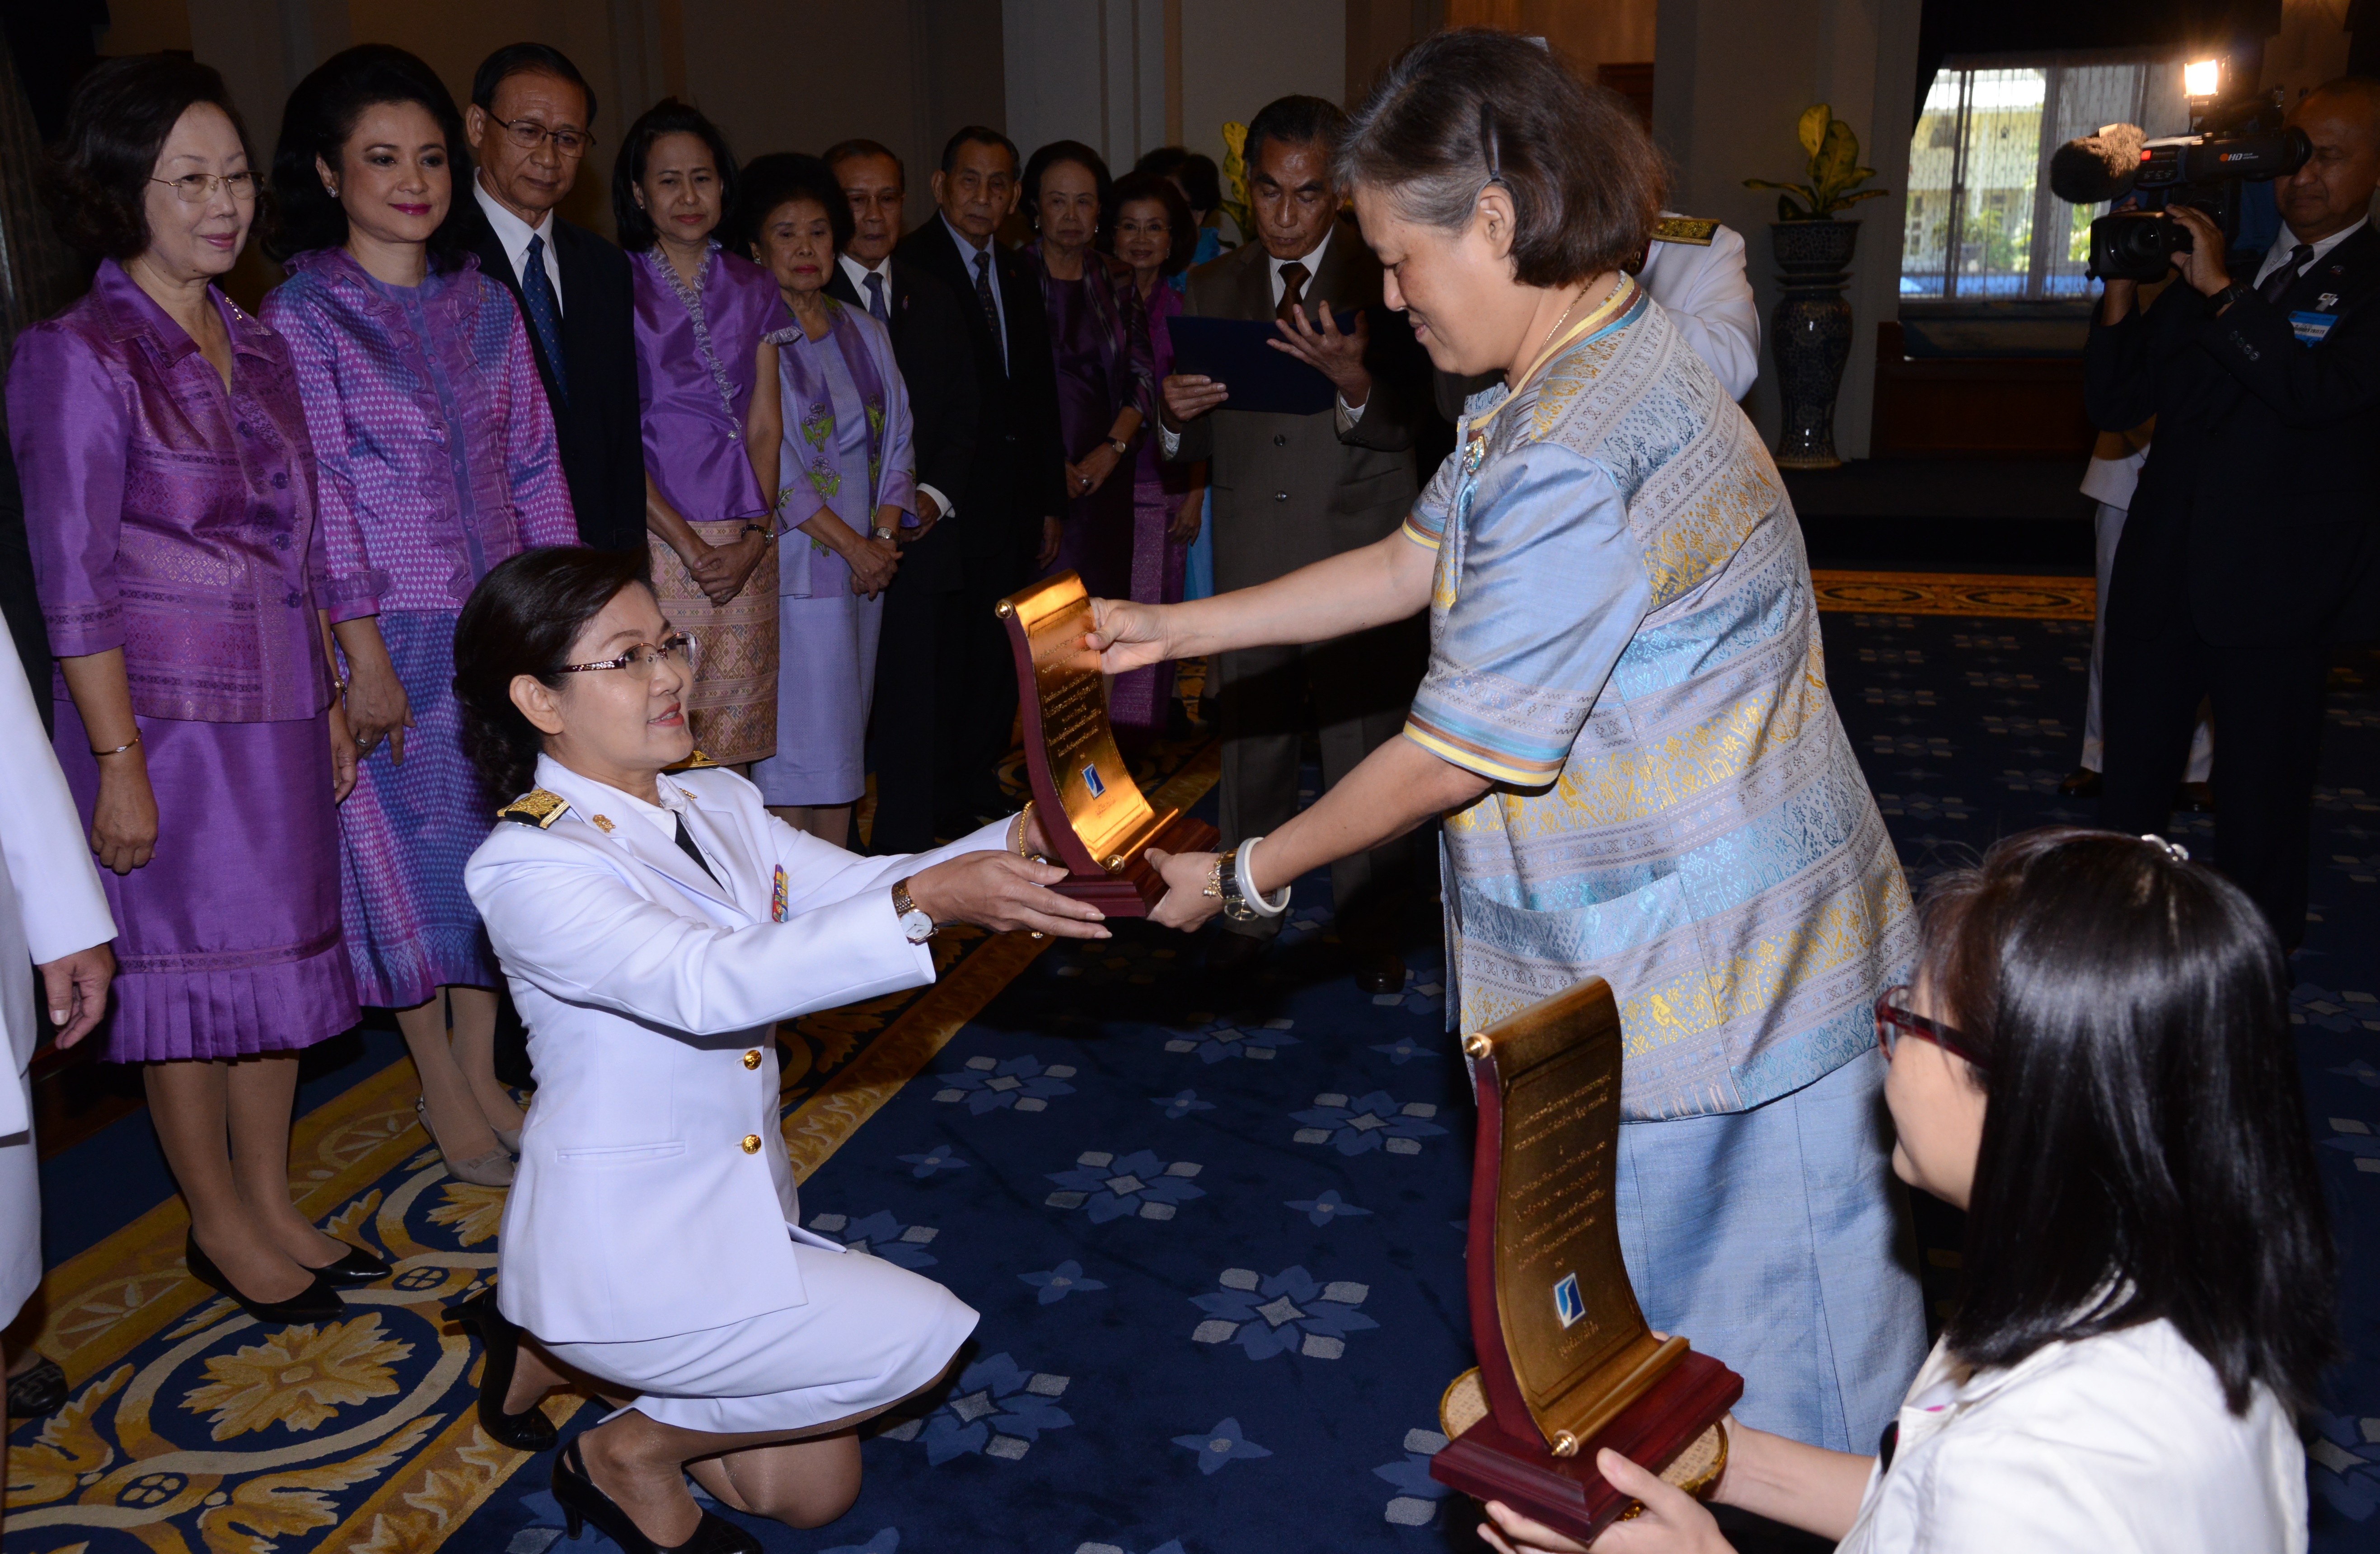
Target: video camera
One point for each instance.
(2206, 170)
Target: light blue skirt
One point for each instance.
(826, 677)
(1778, 1241)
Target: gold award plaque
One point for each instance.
(1579, 1347)
(1566, 1362)
(1095, 816)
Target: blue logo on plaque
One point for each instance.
(1567, 1303)
(1091, 781)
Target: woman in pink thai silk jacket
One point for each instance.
(438, 460)
(169, 501)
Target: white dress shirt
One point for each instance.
(2278, 254)
(2119, 1444)
(968, 253)
(514, 234)
(857, 274)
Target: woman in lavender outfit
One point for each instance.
(438, 461)
(707, 380)
(847, 485)
(169, 498)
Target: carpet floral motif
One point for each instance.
(299, 1378)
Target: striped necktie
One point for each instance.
(544, 315)
(876, 298)
(990, 307)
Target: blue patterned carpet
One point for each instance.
(1216, 1241)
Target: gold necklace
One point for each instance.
(1566, 312)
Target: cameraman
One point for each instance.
(2252, 538)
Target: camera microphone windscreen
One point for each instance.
(2096, 167)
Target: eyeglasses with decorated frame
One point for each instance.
(642, 658)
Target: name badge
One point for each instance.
(2310, 328)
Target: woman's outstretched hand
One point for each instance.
(1003, 891)
(1186, 904)
(1127, 636)
(1673, 1523)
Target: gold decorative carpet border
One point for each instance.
(1957, 593)
(359, 1159)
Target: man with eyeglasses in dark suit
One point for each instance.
(528, 125)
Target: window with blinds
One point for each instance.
(1982, 224)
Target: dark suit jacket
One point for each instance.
(1289, 490)
(937, 362)
(1019, 474)
(2258, 511)
(599, 425)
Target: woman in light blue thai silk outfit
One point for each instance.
(1625, 726)
(847, 487)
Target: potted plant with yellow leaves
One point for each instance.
(1810, 328)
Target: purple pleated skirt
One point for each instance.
(228, 940)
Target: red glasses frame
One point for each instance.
(1894, 1021)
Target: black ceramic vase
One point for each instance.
(1810, 330)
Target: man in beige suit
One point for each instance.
(1293, 489)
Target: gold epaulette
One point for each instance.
(695, 762)
(536, 808)
(1694, 231)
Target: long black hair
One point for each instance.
(668, 117)
(323, 113)
(2145, 1151)
(521, 620)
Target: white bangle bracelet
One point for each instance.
(1263, 906)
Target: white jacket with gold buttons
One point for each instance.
(653, 1196)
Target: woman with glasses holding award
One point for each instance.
(656, 923)
(2095, 1064)
(1625, 729)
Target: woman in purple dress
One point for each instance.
(707, 378)
(1150, 228)
(847, 485)
(438, 460)
(169, 498)
(1098, 333)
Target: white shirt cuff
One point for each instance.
(1347, 414)
(941, 502)
(1168, 441)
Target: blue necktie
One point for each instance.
(537, 300)
(876, 299)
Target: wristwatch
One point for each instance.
(914, 925)
(2227, 296)
(1121, 446)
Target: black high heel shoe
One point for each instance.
(529, 1430)
(355, 1267)
(582, 1502)
(317, 1302)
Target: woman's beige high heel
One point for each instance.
(494, 1169)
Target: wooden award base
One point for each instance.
(1134, 889)
(1669, 1431)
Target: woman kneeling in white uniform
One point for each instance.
(655, 926)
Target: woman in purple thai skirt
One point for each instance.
(169, 499)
